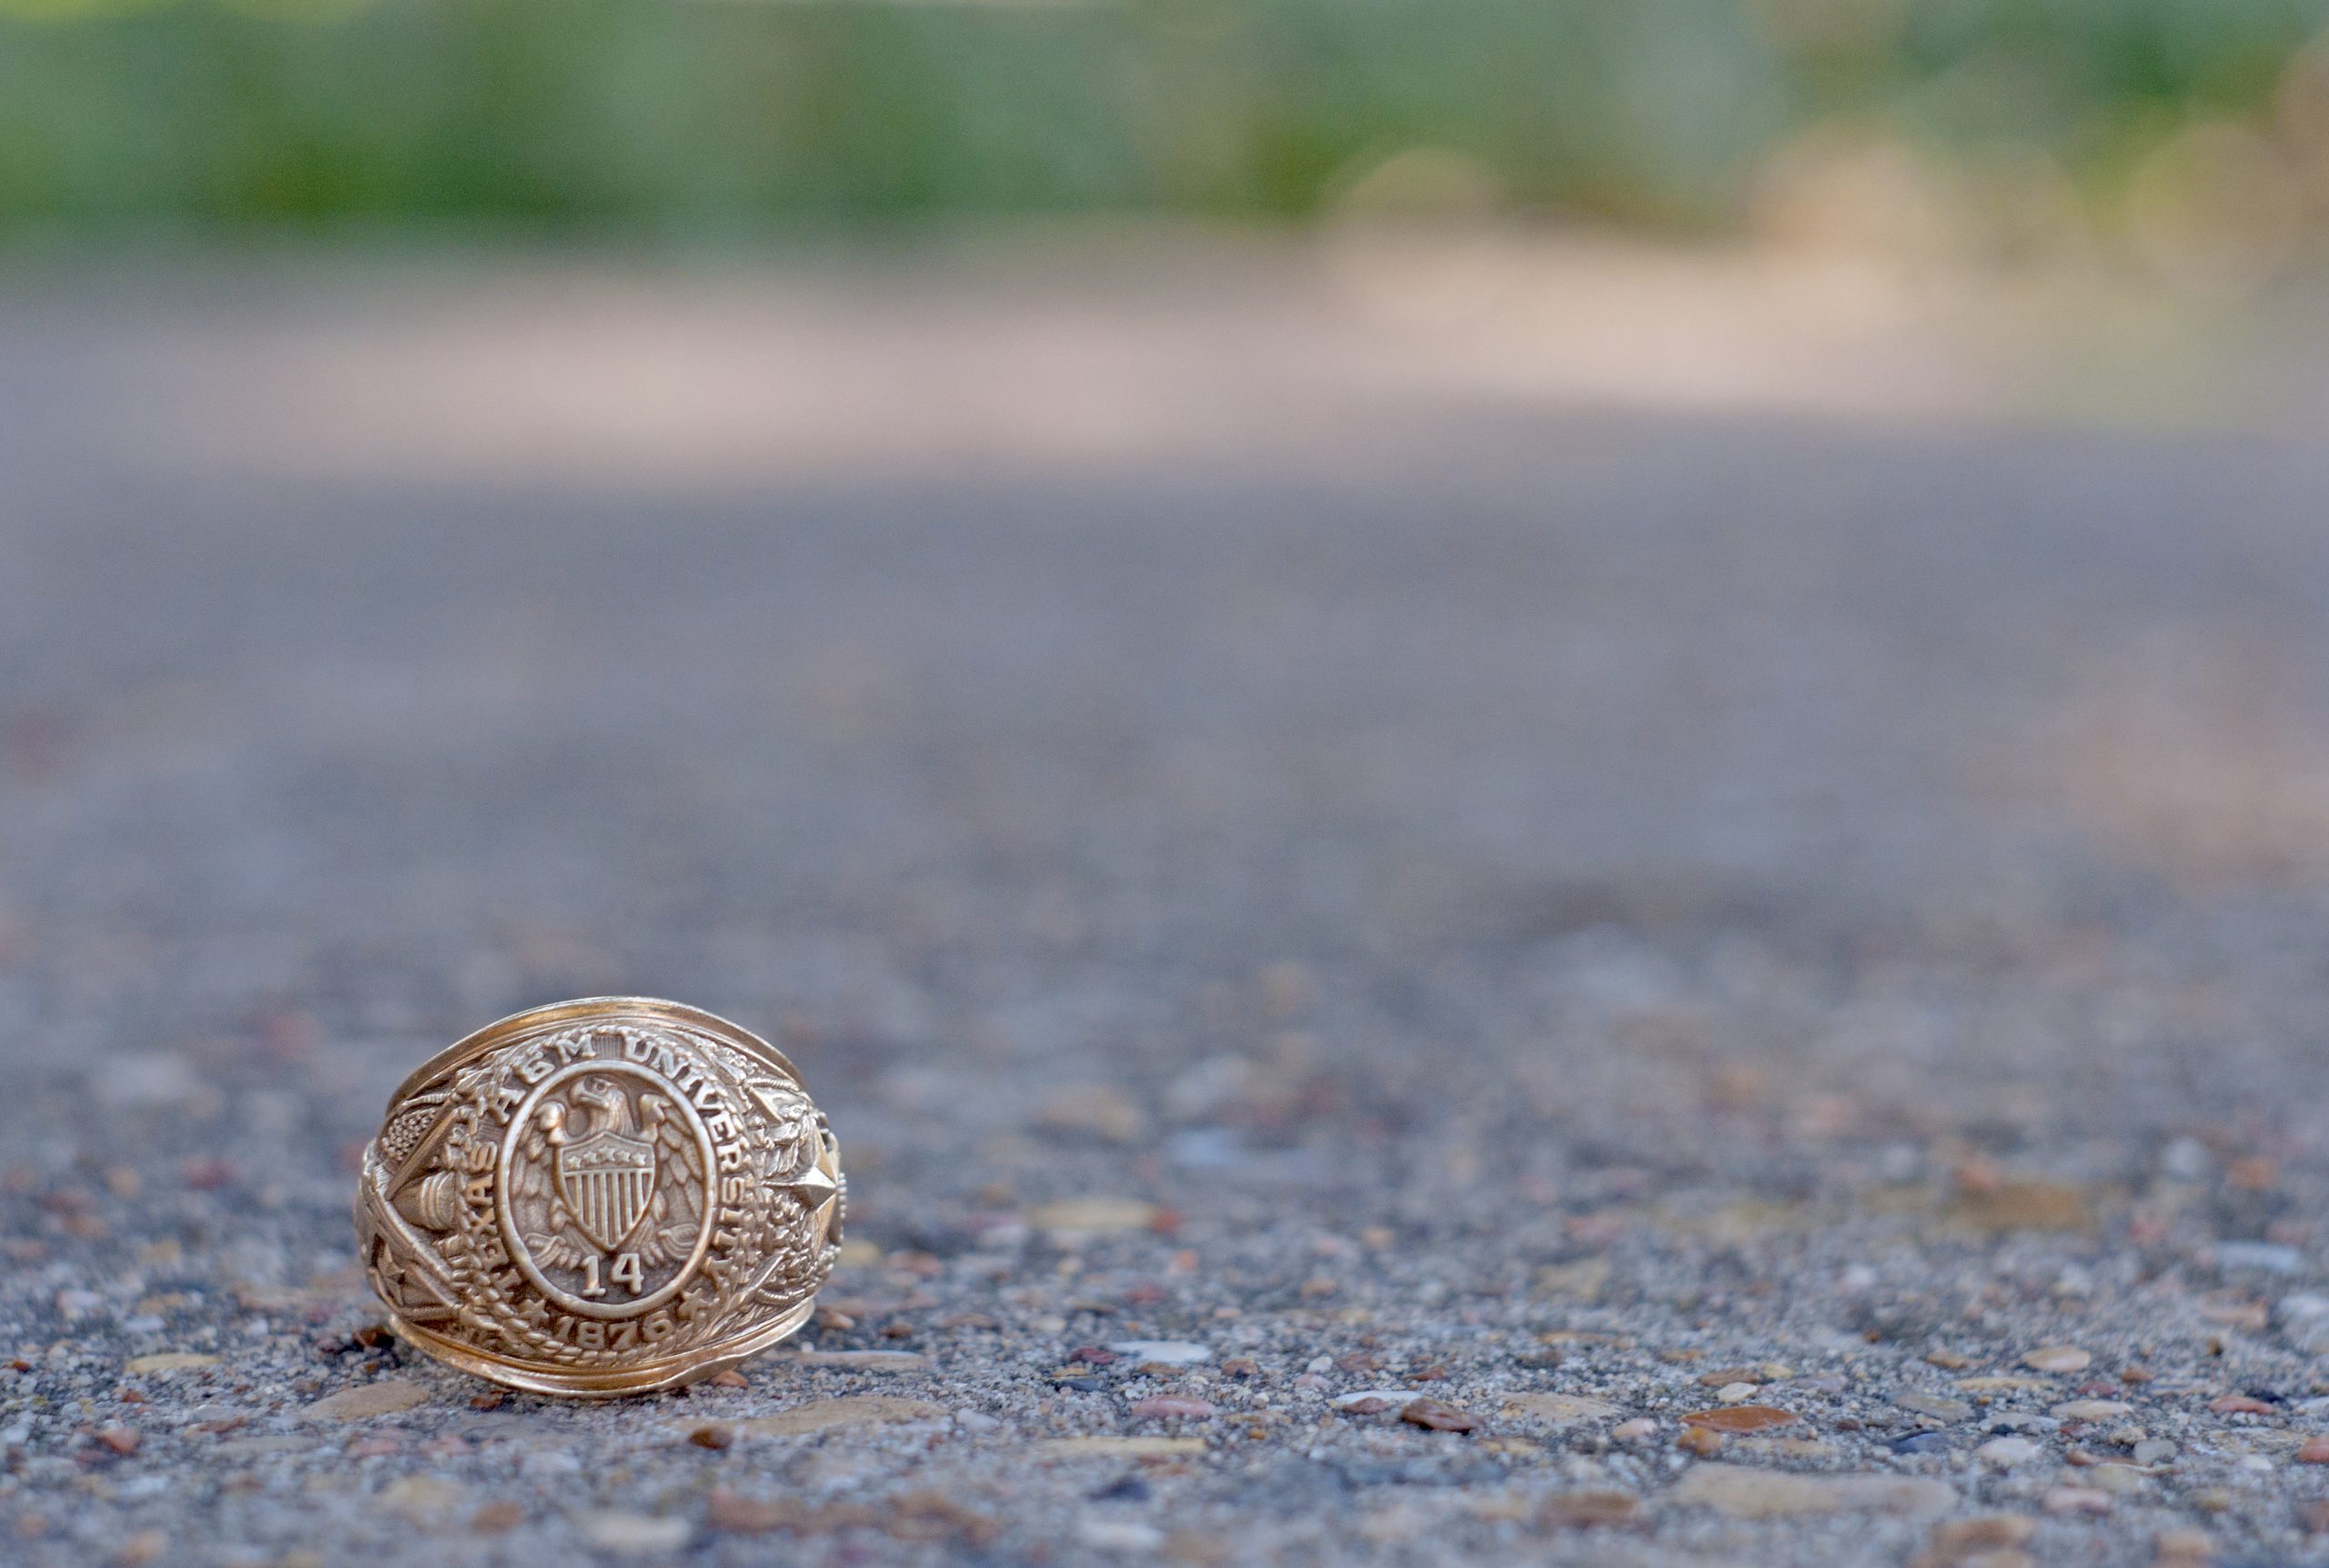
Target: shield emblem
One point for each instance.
(608, 1179)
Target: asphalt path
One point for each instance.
(1482, 885)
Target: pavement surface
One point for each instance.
(1750, 926)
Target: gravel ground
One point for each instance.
(1408, 970)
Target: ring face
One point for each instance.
(600, 1197)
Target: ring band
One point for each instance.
(600, 1197)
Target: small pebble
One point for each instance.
(1740, 1418)
(2058, 1359)
(2093, 1410)
(2005, 1453)
(1438, 1415)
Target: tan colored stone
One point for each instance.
(1516, 1447)
(2023, 1206)
(497, 1516)
(1743, 1493)
(855, 1361)
(1559, 1409)
(2121, 1479)
(1438, 1415)
(1740, 1418)
(1579, 1510)
(1095, 1215)
(1982, 1532)
(1120, 1447)
(850, 1410)
(167, 1362)
(2058, 1359)
(386, 1397)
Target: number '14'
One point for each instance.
(625, 1274)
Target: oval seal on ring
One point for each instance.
(605, 1198)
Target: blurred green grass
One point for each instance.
(704, 116)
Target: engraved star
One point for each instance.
(814, 1187)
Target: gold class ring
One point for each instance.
(600, 1197)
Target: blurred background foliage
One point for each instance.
(2197, 131)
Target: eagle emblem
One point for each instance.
(606, 1174)
(608, 1179)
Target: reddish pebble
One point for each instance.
(2314, 1451)
(729, 1379)
(496, 1517)
(1091, 1356)
(208, 1175)
(1171, 1405)
(1701, 1441)
(121, 1440)
(1438, 1415)
(1740, 1418)
(714, 1437)
(1241, 1366)
(2239, 1404)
